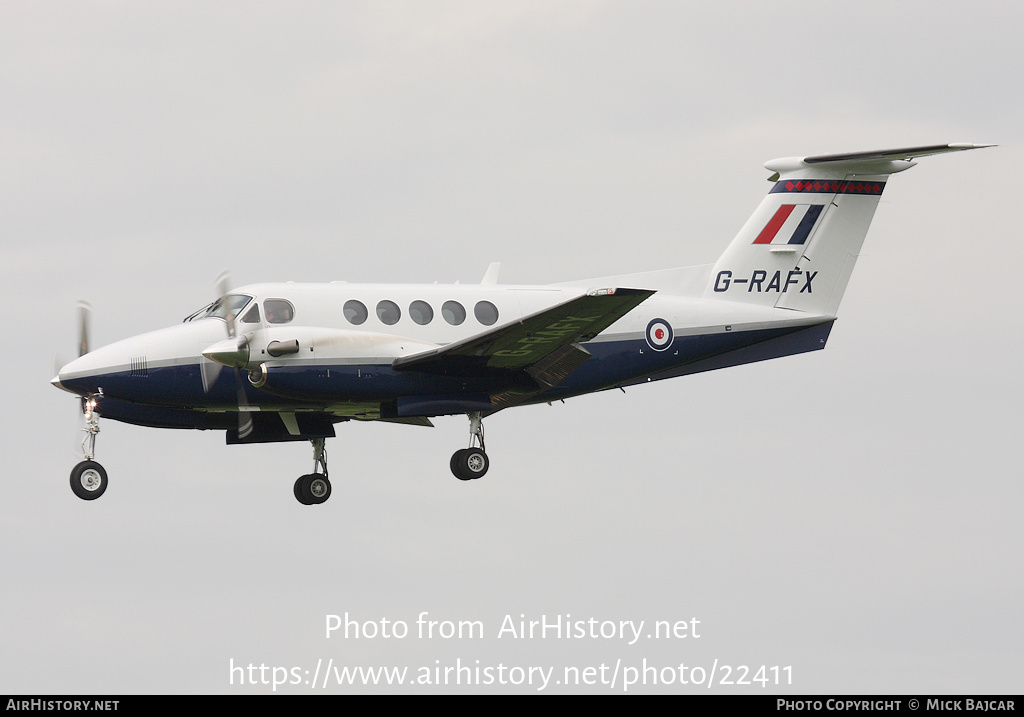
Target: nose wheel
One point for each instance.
(314, 488)
(88, 480)
(471, 463)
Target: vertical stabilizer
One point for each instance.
(798, 249)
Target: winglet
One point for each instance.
(491, 276)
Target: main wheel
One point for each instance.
(312, 489)
(88, 480)
(473, 463)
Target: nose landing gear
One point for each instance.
(471, 463)
(314, 488)
(88, 478)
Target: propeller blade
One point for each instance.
(57, 362)
(245, 423)
(75, 425)
(84, 312)
(244, 419)
(210, 371)
(223, 283)
(223, 287)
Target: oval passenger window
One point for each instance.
(355, 311)
(486, 312)
(453, 312)
(421, 312)
(388, 312)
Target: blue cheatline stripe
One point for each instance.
(806, 224)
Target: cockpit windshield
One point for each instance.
(230, 305)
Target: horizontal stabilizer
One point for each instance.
(879, 162)
(891, 154)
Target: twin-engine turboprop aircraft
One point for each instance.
(285, 362)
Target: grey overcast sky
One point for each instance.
(853, 514)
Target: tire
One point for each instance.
(312, 489)
(456, 465)
(300, 491)
(473, 463)
(88, 480)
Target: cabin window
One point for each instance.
(355, 312)
(278, 311)
(421, 312)
(453, 312)
(388, 312)
(486, 312)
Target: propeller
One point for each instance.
(87, 421)
(223, 284)
(84, 309)
(84, 314)
(57, 360)
(210, 369)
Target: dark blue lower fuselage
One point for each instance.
(173, 396)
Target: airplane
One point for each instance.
(288, 361)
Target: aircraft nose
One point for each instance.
(80, 376)
(56, 381)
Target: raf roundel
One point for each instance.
(659, 334)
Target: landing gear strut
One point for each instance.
(471, 463)
(88, 478)
(314, 488)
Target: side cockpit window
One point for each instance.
(252, 316)
(278, 311)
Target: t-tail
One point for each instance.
(798, 249)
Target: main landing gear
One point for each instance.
(88, 478)
(471, 463)
(314, 488)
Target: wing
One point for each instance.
(544, 345)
